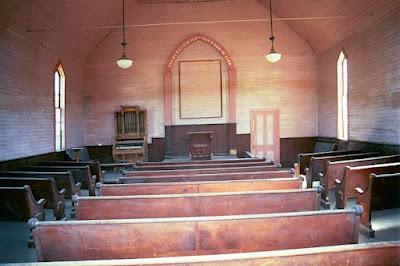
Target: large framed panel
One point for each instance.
(200, 89)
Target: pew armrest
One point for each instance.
(359, 190)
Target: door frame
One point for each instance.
(276, 130)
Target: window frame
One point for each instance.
(59, 107)
(342, 97)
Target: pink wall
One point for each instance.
(374, 84)
(26, 103)
(290, 84)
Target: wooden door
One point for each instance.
(265, 138)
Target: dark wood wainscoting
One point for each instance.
(177, 143)
(157, 150)
(382, 148)
(290, 147)
(12, 165)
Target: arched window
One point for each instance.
(342, 79)
(59, 107)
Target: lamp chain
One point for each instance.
(272, 38)
(123, 27)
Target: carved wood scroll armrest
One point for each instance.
(41, 202)
(359, 190)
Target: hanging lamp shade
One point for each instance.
(124, 62)
(273, 56)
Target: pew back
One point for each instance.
(80, 173)
(64, 180)
(143, 238)
(94, 165)
(318, 164)
(238, 160)
(335, 170)
(204, 171)
(379, 253)
(303, 159)
(198, 204)
(197, 187)
(206, 177)
(211, 164)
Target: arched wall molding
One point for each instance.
(168, 75)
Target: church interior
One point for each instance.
(200, 132)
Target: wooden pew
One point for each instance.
(379, 253)
(238, 160)
(357, 179)
(140, 163)
(81, 174)
(94, 165)
(303, 159)
(335, 170)
(197, 187)
(64, 180)
(317, 165)
(18, 203)
(197, 204)
(160, 237)
(381, 192)
(211, 164)
(205, 177)
(41, 188)
(203, 171)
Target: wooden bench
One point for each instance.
(203, 171)
(239, 160)
(18, 203)
(197, 187)
(160, 237)
(197, 204)
(379, 253)
(303, 159)
(80, 173)
(355, 181)
(199, 166)
(335, 170)
(64, 180)
(381, 192)
(41, 188)
(317, 165)
(206, 177)
(94, 165)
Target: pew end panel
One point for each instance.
(18, 203)
(382, 192)
(41, 188)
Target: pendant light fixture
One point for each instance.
(124, 62)
(273, 56)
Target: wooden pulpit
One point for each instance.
(200, 145)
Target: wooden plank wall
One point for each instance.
(374, 84)
(26, 89)
(290, 84)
